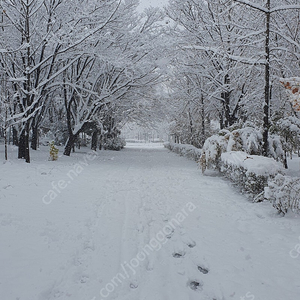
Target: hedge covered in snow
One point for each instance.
(248, 139)
(116, 143)
(251, 172)
(284, 193)
(261, 177)
(186, 150)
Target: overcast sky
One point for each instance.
(147, 3)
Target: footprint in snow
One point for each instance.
(133, 285)
(191, 244)
(203, 269)
(195, 285)
(168, 236)
(178, 254)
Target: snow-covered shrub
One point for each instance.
(289, 131)
(251, 140)
(247, 139)
(276, 148)
(212, 149)
(251, 172)
(284, 193)
(188, 151)
(116, 143)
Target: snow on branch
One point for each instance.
(253, 5)
(22, 47)
(22, 117)
(92, 32)
(263, 9)
(284, 7)
(289, 40)
(237, 58)
(47, 80)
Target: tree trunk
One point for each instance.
(15, 137)
(35, 137)
(21, 144)
(202, 121)
(24, 144)
(266, 124)
(191, 128)
(221, 120)
(226, 103)
(285, 160)
(94, 140)
(5, 133)
(100, 141)
(70, 144)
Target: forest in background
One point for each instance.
(200, 66)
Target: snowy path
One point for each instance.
(140, 224)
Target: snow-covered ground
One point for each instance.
(139, 224)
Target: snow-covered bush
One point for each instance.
(251, 172)
(289, 131)
(248, 139)
(276, 148)
(188, 151)
(116, 143)
(284, 193)
(212, 149)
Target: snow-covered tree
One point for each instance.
(238, 49)
(37, 37)
(269, 9)
(91, 56)
(212, 52)
(101, 88)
